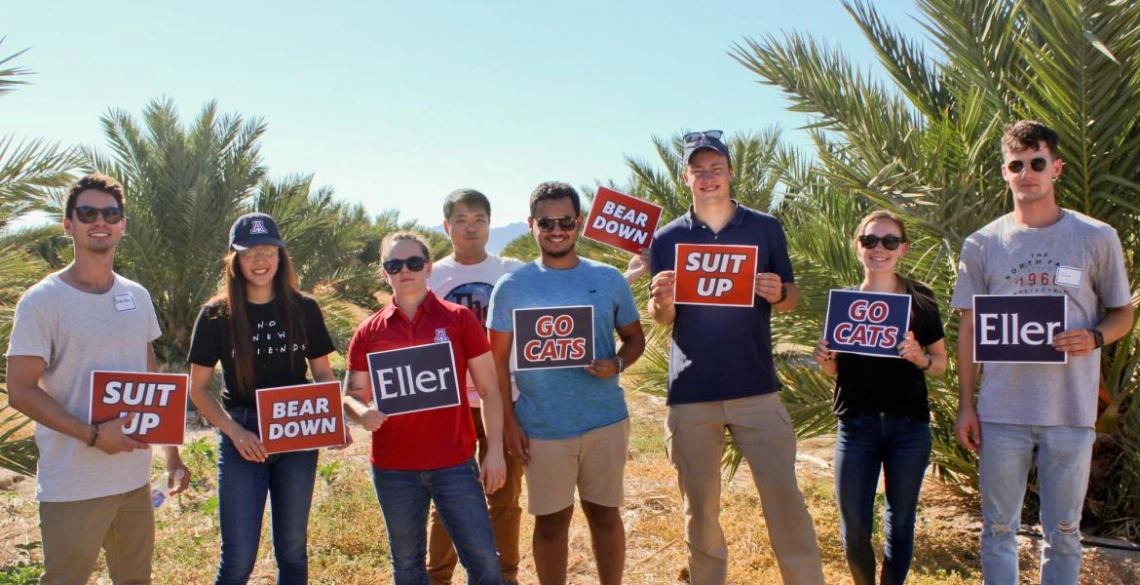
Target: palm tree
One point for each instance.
(923, 142)
(29, 170)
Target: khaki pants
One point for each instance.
(505, 512)
(73, 532)
(762, 430)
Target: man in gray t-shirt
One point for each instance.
(92, 481)
(1038, 413)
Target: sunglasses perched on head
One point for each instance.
(692, 137)
(565, 223)
(414, 264)
(87, 214)
(1037, 164)
(890, 242)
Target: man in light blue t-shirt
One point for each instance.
(570, 426)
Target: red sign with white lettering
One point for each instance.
(301, 417)
(708, 274)
(621, 221)
(159, 400)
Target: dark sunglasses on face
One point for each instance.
(889, 242)
(1037, 164)
(565, 223)
(87, 214)
(692, 137)
(414, 264)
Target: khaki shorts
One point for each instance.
(593, 462)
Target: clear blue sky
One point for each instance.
(394, 104)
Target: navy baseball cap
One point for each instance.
(254, 229)
(710, 139)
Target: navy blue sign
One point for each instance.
(1018, 329)
(866, 323)
(414, 378)
(554, 337)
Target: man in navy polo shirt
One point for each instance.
(721, 375)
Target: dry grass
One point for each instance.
(347, 540)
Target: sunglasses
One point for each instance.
(565, 223)
(891, 242)
(692, 137)
(414, 264)
(1037, 164)
(254, 254)
(87, 214)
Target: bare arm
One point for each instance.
(514, 438)
(494, 467)
(1117, 323)
(357, 396)
(967, 428)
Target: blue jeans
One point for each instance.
(242, 486)
(1063, 457)
(458, 497)
(900, 446)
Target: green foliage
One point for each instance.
(26, 571)
(924, 141)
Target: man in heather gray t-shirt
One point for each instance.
(1037, 414)
(1006, 258)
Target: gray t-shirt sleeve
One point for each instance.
(31, 332)
(154, 331)
(1111, 283)
(971, 275)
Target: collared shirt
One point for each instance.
(718, 352)
(431, 439)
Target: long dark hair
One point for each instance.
(230, 303)
(910, 285)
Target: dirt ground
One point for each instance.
(946, 536)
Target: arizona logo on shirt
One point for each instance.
(441, 335)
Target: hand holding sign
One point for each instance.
(372, 420)
(770, 286)
(912, 351)
(112, 439)
(661, 287)
(1075, 342)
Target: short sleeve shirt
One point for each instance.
(723, 353)
(431, 439)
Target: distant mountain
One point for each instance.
(500, 236)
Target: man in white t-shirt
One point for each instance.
(92, 481)
(467, 277)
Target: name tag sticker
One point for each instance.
(125, 302)
(1068, 276)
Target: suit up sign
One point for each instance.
(554, 337)
(1018, 329)
(413, 379)
(159, 400)
(866, 323)
(624, 222)
(301, 417)
(708, 274)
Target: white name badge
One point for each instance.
(125, 302)
(1068, 276)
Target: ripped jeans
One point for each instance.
(1063, 455)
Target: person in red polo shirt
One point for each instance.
(425, 457)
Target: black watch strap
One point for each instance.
(1098, 338)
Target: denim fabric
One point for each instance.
(900, 446)
(1063, 457)
(287, 478)
(458, 497)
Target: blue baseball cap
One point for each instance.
(254, 229)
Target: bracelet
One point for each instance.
(94, 436)
(929, 363)
(621, 364)
(783, 294)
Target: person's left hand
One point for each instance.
(603, 369)
(493, 472)
(179, 475)
(638, 265)
(911, 351)
(769, 285)
(347, 440)
(1076, 342)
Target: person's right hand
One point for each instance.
(968, 429)
(372, 420)
(111, 439)
(515, 440)
(493, 472)
(248, 445)
(822, 355)
(662, 288)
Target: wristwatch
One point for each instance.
(783, 293)
(1098, 338)
(621, 364)
(929, 363)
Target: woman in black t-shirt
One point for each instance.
(884, 416)
(263, 330)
